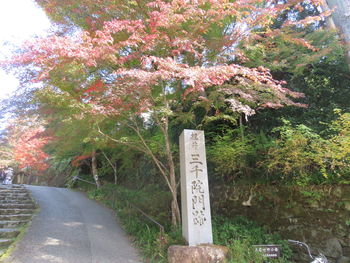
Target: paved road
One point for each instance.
(72, 229)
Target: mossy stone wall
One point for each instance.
(317, 215)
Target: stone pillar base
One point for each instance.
(198, 254)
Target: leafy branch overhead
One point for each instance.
(189, 45)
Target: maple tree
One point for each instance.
(27, 143)
(75, 135)
(141, 57)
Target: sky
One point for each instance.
(20, 20)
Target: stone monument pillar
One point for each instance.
(196, 218)
(195, 205)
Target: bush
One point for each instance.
(294, 158)
(301, 156)
(234, 155)
(240, 234)
(335, 158)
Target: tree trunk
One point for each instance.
(115, 173)
(175, 209)
(341, 19)
(114, 167)
(94, 169)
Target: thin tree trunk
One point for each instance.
(329, 20)
(167, 171)
(115, 173)
(94, 169)
(114, 167)
(341, 20)
(241, 125)
(175, 209)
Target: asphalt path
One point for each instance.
(70, 228)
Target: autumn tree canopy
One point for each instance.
(189, 45)
(122, 59)
(27, 138)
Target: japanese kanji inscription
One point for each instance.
(196, 218)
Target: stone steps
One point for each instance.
(10, 194)
(14, 196)
(9, 201)
(12, 223)
(11, 217)
(17, 206)
(13, 190)
(16, 210)
(5, 242)
(9, 232)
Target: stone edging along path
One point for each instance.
(16, 210)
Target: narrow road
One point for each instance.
(70, 228)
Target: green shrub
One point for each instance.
(295, 156)
(234, 154)
(240, 234)
(301, 156)
(335, 158)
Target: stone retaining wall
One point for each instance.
(317, 215)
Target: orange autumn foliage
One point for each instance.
(28, 149)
